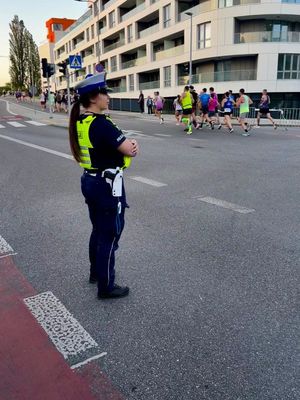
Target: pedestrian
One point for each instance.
(187, 105)
(227, 107)
(141, 102)
(43, 101)
(264, 109)
(149, 103)
(58, 99)
(51, 102)
(159, 102)
(103, 151)
(243, 103)
(64, 102)
(178, 109)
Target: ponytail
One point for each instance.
(73, 136)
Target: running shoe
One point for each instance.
(220, 126)
(212, 126)
(189, 132)
(275, 126)
(231, 130)
(246, 133)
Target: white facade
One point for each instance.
(145, 45)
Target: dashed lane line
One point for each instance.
(226, 204)
(2, 126)
(147, 181)
(35, 123)
(16, 124)
(35, 146)
(162, 135)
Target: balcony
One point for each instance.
(108, 4)
(173, 52)
(134, 11)
(134, 63)
(119, 89)
(149, 85)
(222, 76)
(148, 31)
(257, 37)
(82, 20)
(197, 10)
(113, 46)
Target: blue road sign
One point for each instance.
(75, 62)
(99, 67)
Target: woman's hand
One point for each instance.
(135, 147)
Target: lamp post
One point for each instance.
(97, 26)
(190, 14)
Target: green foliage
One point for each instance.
(24, 57)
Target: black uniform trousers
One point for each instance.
(107, 228)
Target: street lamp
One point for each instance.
(97, 27)
(190, 14)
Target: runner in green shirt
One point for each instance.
(244, 102)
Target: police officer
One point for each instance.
(101, 148)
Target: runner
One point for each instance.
(159, 105)
(187, 104)
(243, 103)
(227, 106)
(204, 100)
(178, 109)
(212, 107)
(194, 106)
(264, 109)
(215, 96)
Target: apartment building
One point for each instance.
(145, 45)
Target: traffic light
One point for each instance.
(51, 69)
(63, 67)
(45, 67)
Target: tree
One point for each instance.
(24, 57)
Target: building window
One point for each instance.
(131, 83)
(288, 66)
(167, 76)
(167, 15)
(204, 35)
(92, 32)
(129, 33)
(87, 34)
(111, 19)
(225, 3)
(291, 1)
(113, 64)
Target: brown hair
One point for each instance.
(85, 100)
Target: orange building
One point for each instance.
(55, 25)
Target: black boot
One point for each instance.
(117, 291)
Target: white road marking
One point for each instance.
(16, 124)
(5, 248)
(162, 135)
(131, 130)
(130, 133)
(147, 181)
(226, 204)
(35, 123)
(35, 146)
(2, 126)
(80, 364)
(66, 333)
(7, 108)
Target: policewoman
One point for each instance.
(103, 151)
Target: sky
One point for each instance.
(34, 13)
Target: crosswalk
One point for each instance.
(23, 124)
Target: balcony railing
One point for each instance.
(134, 11)
(149, 85)
(149, 31)
(253, 37)
(222, 76)
(134, 63)
(114, 46)
(108, 4)
(118, 89)
(83, 19)
(173, 52)
(197, 10)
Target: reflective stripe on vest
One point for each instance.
(187, 101)
(83, 128)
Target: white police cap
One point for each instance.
(93, 82)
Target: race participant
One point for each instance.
(264, 109)
(178, 109)
(194, 106)
(187, 105)
(227, 105)
(243, 103)
(159, 105)
(204, 100)
(214, 95)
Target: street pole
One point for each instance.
(68, 91)
(191, 47)
(48, 84)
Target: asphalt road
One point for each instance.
(213, 312)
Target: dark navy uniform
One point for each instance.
(106, 212)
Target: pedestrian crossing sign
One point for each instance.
(75, 62)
